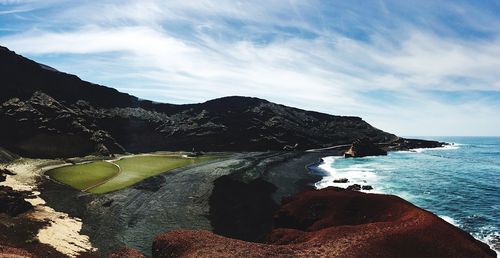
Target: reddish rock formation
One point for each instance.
(11, 252)
(337, 223)
(126, 252)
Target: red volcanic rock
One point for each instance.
(126, 252)
(337, 223)
(11, 252)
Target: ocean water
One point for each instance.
(460, 182)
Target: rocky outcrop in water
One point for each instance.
(409, 144)
(336, 223)
(47, 113)
(364, 147)
(354, 187)
(341, 180)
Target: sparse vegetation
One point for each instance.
(83, 176)
(106, 176)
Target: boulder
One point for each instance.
(367, 187)
(364, 147)
(354, 187)
(341, 180)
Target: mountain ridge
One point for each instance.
(75, 118)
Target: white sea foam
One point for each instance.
(450, 220)
(453, 146)
(361, 174)
(491, 236)
(493, 241)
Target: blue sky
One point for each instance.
(408, 67)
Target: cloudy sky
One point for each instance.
(411, 67)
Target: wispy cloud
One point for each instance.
(391, 65)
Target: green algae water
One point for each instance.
(459, 182)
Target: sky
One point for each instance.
(410, 67)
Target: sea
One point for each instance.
(459, 182)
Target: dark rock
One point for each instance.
(290, 147)
(47, 113)
(367, 187)
(354, 187)
(242, 210)
(6, 171)
(151, 184)
(50, 129)
(7, 156)
(410, 144)
(364, 147)
(341, 180)
(108, 203)
(126, 252)
(12, 202)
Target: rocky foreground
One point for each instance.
(334, 222)
(233, 207)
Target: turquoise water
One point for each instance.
(460, 183)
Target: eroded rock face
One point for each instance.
(52, 114)
(364, 147)
(337, 223)
(43, 127)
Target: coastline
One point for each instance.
(380, 187)
(190, 195)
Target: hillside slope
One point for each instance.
(47, 113)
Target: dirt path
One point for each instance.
(329, 148)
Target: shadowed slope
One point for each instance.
(339, 223)
(47, 113)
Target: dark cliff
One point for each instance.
(47, 113)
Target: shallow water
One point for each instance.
(460, 183)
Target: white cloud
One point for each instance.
(330, 72)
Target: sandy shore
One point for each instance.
(62, 231)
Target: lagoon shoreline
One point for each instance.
(192, 198)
